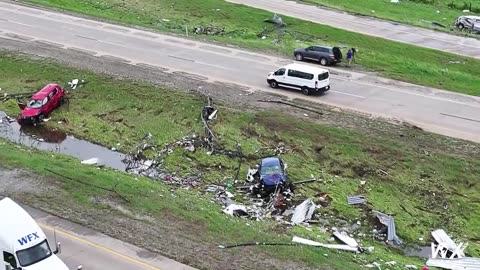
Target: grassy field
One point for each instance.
(419, 12)
(244, 25)
(425, 185)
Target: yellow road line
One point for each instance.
(108, 250)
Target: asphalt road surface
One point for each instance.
(371, 26)
(434, 110)
(95, 251)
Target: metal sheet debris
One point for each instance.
(456, 264)
(356, 199)
(303, 212)
(345, 238)
(276, 20)
(445, 247)
(330, 246)
(390, 223)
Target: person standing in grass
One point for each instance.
(349, 57)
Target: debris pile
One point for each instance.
(147, 159)
(449, 255)
(209, 30)
(276, 20)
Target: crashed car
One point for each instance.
(271, 176)
(41, 104)
(468, 22)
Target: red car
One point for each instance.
(41, 104)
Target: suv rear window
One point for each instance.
(323, 76)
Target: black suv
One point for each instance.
(325, 55)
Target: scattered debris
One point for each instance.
(209, 30)
(345, 238)
(445, 247)
(394, 1)
(276, 20)
(304, 181)
(356, 199)
(236, 210)
(455, 62)
(91, 161)
(390, 223)
(257, 244)
(455, 264)
(250, 174)
(303, 212)
(74, 83)
(304, 241)
(434, 23)
(411, 266)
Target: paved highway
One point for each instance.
(434, 110)
(371, 26)
(95, 251)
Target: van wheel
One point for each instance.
(273, 84)
(299, 56)
(323, 61)
(305, 91)
(461, 26)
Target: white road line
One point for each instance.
(19, 23)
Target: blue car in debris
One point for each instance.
(271, 177)
(271, 171)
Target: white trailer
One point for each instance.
(23, 243)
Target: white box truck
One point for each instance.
(23, 243)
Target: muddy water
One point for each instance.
(45, 139)
(422, 252)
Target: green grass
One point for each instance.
(242, 24)
(421, 178)
(409, 12)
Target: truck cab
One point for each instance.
(23, 244)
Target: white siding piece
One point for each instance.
(456, 264)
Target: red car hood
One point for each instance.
(29, 112)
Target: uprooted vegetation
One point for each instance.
(425, 184)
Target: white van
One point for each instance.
(23, 243)
(306, 78)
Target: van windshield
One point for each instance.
(323, 76)
(34, 254)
